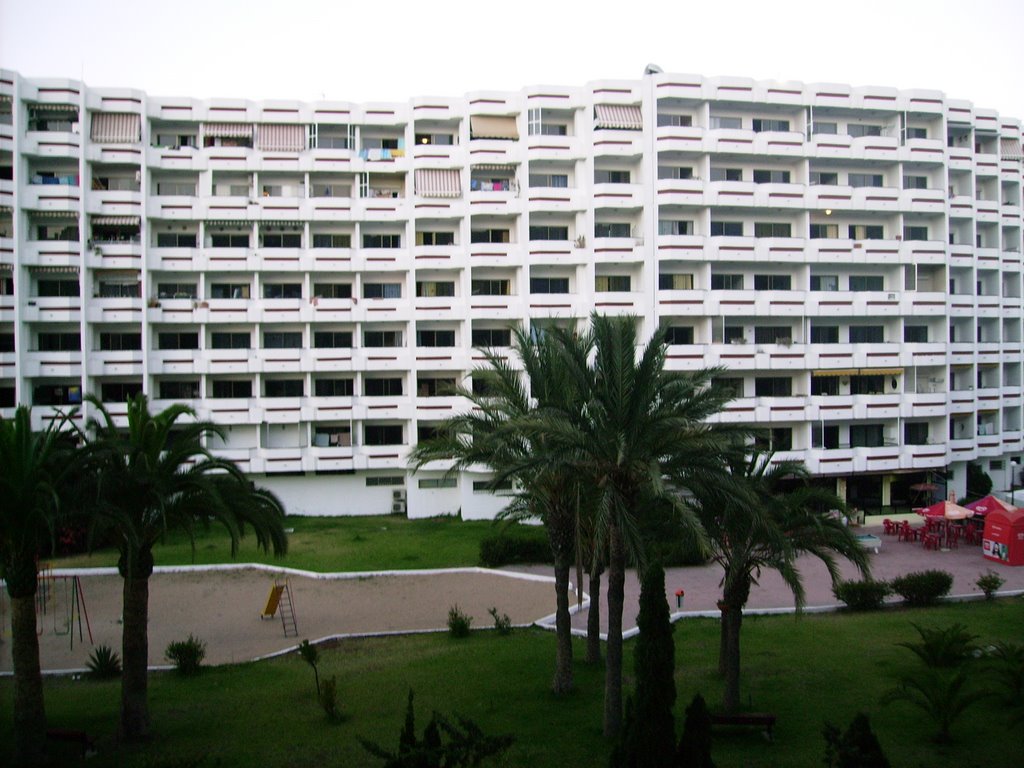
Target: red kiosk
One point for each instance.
(1003, 540)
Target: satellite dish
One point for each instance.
(653, 69)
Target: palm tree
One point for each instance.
(640, 423)
(35, 465)
(490, 434)
(153, 476)
(765, 518)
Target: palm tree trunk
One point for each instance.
(723, 641)
(29, 711)
(613, 655)
(135, 658)
(594, 618)
(732, 620)
(563, 682)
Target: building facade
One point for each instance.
(317, 277)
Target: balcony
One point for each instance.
(614, 143)
(115, 255)
(176, 159)
(677, 138)
(51, 144)
(115, 310)
(52, 309)
(64, 196)
(36, 364)
(119, 363)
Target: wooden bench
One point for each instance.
(763, 720)
(72, 737)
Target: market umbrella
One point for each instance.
(988, 504)
(948, 510)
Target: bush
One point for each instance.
(990, 582)
(103, 663)
(923, 587)
(857, 748)
(979, 484)
(458, 622)
(186, 655)
(694, 750)
(862, 595)
(311, 656)
(502, 623)
(518, 544)
(328, 696)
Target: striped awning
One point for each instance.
(493, 127)
(63, 215)
(6, 267)
(43, 270)
(622, 116)
(54, 108)
(228, 130)
(846, 372)
(281, 138)
(881, 371)
(1010, 149)
(509, 167)
(228, 223)
(115, 221)
(281, 224)
(116, 128)
(438, 182)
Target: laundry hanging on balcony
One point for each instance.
(280, 138)
(624, 117)
(438, 182)
(115, 128)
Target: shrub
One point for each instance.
(186, 655)
(862, 595)
(990, 582)
(502, 623)
(943, 648)
(515, 544)
(654, 738)
(328, 696)
(458, 622)
(979, 483)
(103, 663)
(694, 750)
(311, 656)
(857, 748)
(923, 587)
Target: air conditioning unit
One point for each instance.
(398, 494)
(398, 508)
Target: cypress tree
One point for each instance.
(695, 743)
(655, 661)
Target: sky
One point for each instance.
(360, 50)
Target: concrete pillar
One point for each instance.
(886, 490)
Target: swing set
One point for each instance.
(63, 599)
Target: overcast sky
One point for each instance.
(361, 50)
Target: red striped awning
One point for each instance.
(281, 138)
(438, 182)
(1010, 149)
(227, 130)
(116, 128)
(621, 116)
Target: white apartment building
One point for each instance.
(316, 277)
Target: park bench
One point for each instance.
(72, 737)
(762, 720)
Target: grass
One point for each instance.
(805, 670)
(328, 544)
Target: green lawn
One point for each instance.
(330, 544)
(805, 670)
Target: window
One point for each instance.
(674, 172)
(915, 334)
(825, 436)
(773, 386)
(333, 387)
(761, 125)
(733, 334)
(727, 229)
(915, 433)
(228, 291)
(229, 240)
(824, 128)
(379, 481)
(675, 282)
(557, 180)
(491, 337)
(178, 390)
(824, 386)
(434, 288)
(866, 232)
(772, 229)
(722, 282)
(282, 339)
(867, 334)
(437, 482)
(679, 334)
(866, 180)
(61, 287)
(336, 436)
(867, 385)
(771, 177)
(60, 342)
(113, 290)
(915, 182)
(915, 233)
(859, 131)
(232, 388)
(824, 282)
(611, 177)
(435, 238)
(382, 434)
(120, 341)
(541, 232)
(611, 283)
(675, 227)
(332, 339)
(734, 123)
(726, 174)
(917, 133)
(176, 239)
(382, 290)
(729, 384)
(229, 340)
(824, 334)
(773, 334)
(778, 439)
(7, 342)
(382, 241)
(435, 139)
(178, 340)
(435, 338)
(328, 240)
(489, 236)
(611, 229)
(378, 339)
(382, 387)
(283, 388)
(866, 436)
(867, 283)
(824, 231)
(549, 285)
(57, 394)
(282, 291)
(282, 239)
(824, 178)
(679, 121)
(430, 387)
(773, 282)
(489, 486)
(332, 290)
(489, 287)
